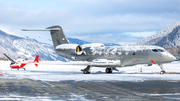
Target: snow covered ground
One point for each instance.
(72, 72)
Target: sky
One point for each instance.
(98, 21)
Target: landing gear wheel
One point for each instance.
(162, 69)
(86, 72)
(24, 68)
(163, 72)
(108, 70)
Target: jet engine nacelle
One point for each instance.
(77, 49)
(91, 45)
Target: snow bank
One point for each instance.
(72, 72)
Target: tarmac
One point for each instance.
(67, 83)
(27, 89)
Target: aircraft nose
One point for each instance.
(173, 58)
(169, 57)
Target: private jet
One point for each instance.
(95, 52)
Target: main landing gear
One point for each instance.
(162, 69)
(87, 70)
(110, 69)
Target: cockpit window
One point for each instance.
(160, 50)
(155, 50)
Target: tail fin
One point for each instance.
(57, 34)
(12, 61)
(36, 60)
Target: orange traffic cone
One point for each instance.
(1, 72)
(141, 69)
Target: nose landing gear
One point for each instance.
(162, 69)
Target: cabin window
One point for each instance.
(155, 50)
(127, 53)
(119, 53)
(106, 54)
(100, 53)
(94, 52)
(134, 53)
(113, 52)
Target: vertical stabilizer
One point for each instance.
(36, 59)
(58, 36)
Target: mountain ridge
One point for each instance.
(15, 46)
(153, 40)
(168, 38)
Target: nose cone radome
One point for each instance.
(173, 58)
(169, 57)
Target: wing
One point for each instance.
(95, 64)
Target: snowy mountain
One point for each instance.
(169, 38)
(27, 48)
(111, 44)
(77, 41)
(81, 42)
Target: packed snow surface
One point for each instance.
(51, 72)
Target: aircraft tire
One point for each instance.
(163, 72)
(108, 70)
(86, 72)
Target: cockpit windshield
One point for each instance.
(158, 50)
(155, 50)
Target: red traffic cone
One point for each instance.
(141, 69)
(1, 72)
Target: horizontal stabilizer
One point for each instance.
(52, 29)
(57, 34)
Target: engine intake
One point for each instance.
(74, 48)
(79, 50)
